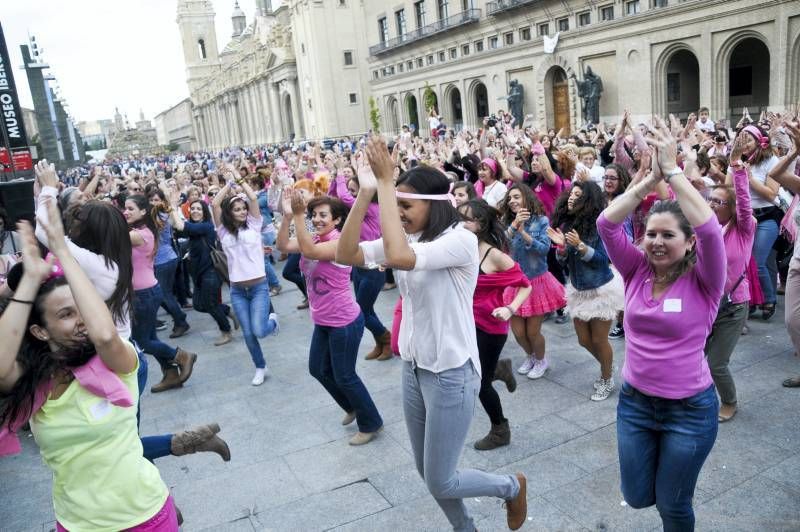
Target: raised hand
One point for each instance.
(286, 200)
(556, 237)
(297, 203)
(573, 238)
(523, 215)
(379, 159)
(46, 174)
(665, 145)
(33, 265)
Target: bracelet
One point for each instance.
(20, 301)
(669, 175)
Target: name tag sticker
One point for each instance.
(101, 409)
(672, 305)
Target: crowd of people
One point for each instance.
(669, 234)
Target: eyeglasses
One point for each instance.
(714, 202)
(610, 178)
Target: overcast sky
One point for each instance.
(109, 53)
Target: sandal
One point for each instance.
(792, 382)
(722, 418)
(767, 311)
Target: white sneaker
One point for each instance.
(526, 366)
(605, 389)
(539, 369)
(258, 378)
(274, 317)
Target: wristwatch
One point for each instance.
(581, 247)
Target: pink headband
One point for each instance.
(433, 197)
(762, 140)
(491, 163)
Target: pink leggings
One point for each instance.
(166, 520)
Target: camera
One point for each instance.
(492, 121)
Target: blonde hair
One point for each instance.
(587, 150)
(317, 186)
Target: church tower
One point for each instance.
(199, 38)
(239, 20)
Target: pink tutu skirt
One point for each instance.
(547, 295)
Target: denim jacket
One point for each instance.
(532, 258)
(590, 271)
(263, 206)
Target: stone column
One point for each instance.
(263, 117)
(277, 121)
(297, 109)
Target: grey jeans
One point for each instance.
(438, 409)
(719, 347)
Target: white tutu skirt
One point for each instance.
(601, 303)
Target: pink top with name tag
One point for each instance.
(665, 337)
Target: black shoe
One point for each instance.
(767, 311)
(752, 312)
(161, 325)
(617, 332)
(562, 317)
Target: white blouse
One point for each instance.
(437, 331)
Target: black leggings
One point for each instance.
(489, 348)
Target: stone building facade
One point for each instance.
(283, 75)
(657, 56)
(175, 125)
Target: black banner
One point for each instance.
(13, 138)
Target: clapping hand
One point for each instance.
(33, 265)
(573, 238)
(523, 215)
(46, 174)
(556, 237)
(666, 148)
(297, 203)
(379, 160)
(286, 200)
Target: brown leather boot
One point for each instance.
(386, 350)
(504, 373)
(171, 379)
(517, 508)
(185, 361)
(201, 439)
(498, 436)
(377, 350)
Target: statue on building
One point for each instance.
(515, 98)
(589, 91)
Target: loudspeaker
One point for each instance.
(16, 197)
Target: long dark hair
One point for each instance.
(588, 207)
(532, 203)
(490, 229)
(760, 154)
(99, 227)
(623, 178)
(38, 363)
(442, 215)
(228, 222)
(150, 220)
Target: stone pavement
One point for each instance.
(292, 468)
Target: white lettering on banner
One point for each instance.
(12, 123)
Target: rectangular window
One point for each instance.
(353, 98)
(632, 7)
(584, 19)
(420, 63)
(466, 4)
(508, 38)
(419, 13)
(410, 65)
(607, 13)
(563, 24)
(442, 9)
(348, 58)
(465, 49)
(478, 46)
(453, 53)
(544, 29)
(342, 3)
(430, 59)
(441, 57)
(660, 3)
(525, 34)
(673, 87)
(383, 30)
(400, 21)
(494, 42)
(376, 74)
(400, 67)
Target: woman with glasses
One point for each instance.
(732, 207)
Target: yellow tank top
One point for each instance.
(101, 481)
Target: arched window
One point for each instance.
(201, 44)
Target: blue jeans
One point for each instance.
(152, 446)
(291, 272)
(165, 274)
(766, 234)
(252, 307)
(368, 285)
(332, 361)
(662, 445)
(143, 328)
(268, 239)
(205, 298)
(438, 408)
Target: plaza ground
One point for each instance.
(292, 468)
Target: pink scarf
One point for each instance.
(94, 376)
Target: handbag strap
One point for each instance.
(735, 286)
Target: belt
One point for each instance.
(763, 210)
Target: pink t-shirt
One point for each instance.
(547, 193)
(142, 259)
(665, 337)
(330, 298)
(244, 250)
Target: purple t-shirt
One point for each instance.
(665, 337)
(330, 298)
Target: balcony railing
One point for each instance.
(501, 6)
(460, 19)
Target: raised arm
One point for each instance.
(216, 204)
(117, 354)
(282, 241)
(347, 249)
(324, 251)
(783, 172)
